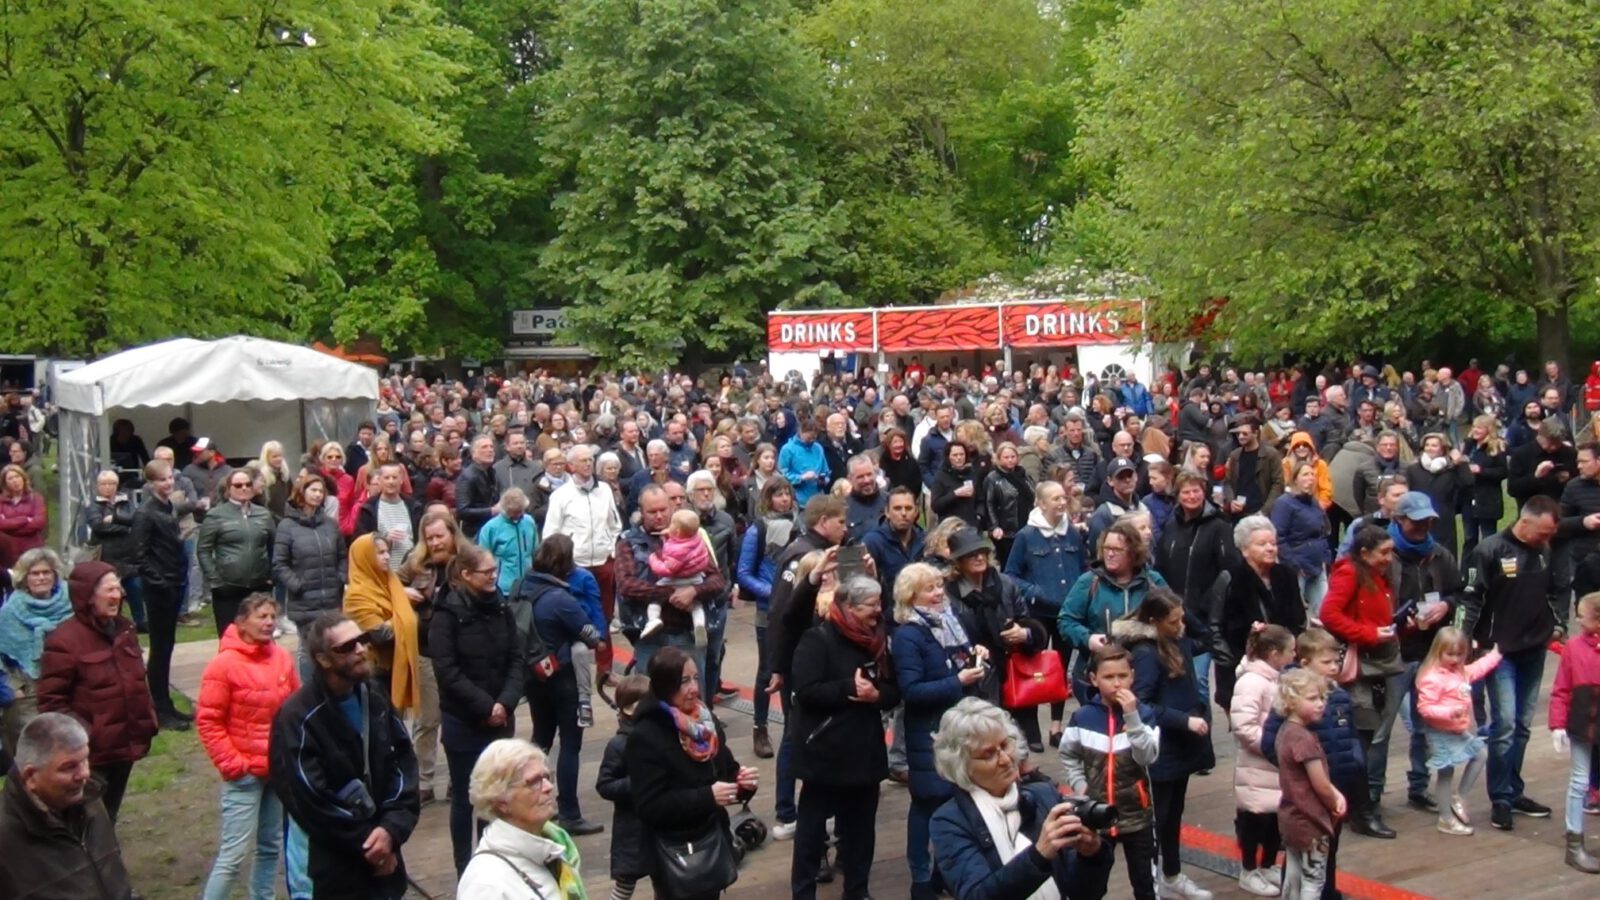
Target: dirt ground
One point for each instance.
(169, 819)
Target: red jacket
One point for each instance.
(1591, 389)
(23, 522)
(1351, 613)
(95, 671)
(240, 692)
(1575, 696)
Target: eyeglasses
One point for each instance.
(240, 484)
(491, 570)
(538, 782)
(992, 755)
(349, 647)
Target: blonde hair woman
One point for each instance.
(275, 478)
(1485, 450)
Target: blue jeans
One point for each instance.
(646, 648)
(251, 816)
(763, 700)
(133, 590)
(296, 859)
(1377, 749)
(918, 855)
(1513, 696)
(786, 810)
(1578, 785)
(716, 630)
(554, 705)
(1202, 676)
(463, 744)
(1312, 589)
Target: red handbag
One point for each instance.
(1033, 679)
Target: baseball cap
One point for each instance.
(202, 444)
(1120, 465)
(1416, 506)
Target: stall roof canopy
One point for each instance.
(185, 370)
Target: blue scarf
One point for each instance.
(1412, 549)
(24, 622)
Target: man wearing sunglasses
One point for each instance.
(343, 766)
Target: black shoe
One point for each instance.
(1055, 738)
(169, 720)
(1035, 747)
(142, 628)
(825, 871)
(1422, 802)
(1533, 810)
(580, 827)
(1500, 817)
(1371, 825)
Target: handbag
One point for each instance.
(1033, 679)
(1349, 665)
(704, 864)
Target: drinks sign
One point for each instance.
(1060, 324)
(788, 332)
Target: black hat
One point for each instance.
(1119, 465)
(1369, 371)
(967, 541)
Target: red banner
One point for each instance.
(1068, 323)
(787, 332)
(944, 328)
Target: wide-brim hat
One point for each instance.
(968, 541)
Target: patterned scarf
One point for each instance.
(946, 627)
(697, 735)
(24, 622)
(872, 640)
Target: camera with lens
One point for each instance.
(1094, 815)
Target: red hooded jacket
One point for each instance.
(240, 692)
(1591, 389)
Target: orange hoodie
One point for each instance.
(1324, 479)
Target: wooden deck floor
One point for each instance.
(1526, 862)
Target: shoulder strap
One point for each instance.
(514, 867)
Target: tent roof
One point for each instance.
(184, 370)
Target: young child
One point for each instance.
(1574, 724)
(1107, 749)
(631, 858)
(1444, 701)
(1310, 804)
(1317, 651)
(680, 561)
(1255, 781)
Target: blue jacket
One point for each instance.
(795, 460)
(970, 864)
(1046, 566)
(890, 555)
(1302, 533)
(1172, 700)
(557, 615)
(1347, 764)
(1136, 397)
(1160, 507)
(585, 589)
(512, 544)
(928, 686)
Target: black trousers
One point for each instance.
(1170, 797)
(225, 601)
(1139, 854)
(115, 778)
(162, 604)
(854, 811)
(1259, 841)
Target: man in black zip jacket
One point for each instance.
(826, 528)
(1542, 467)
(343, 766)
(1513, 601)
(162, 568)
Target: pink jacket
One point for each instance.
(1255, 781)
(680, 557)
(1442, 694)
(1580, 668)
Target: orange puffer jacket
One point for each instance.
(240, 692)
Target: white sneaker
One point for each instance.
(650, 628)
(783, 831)
(287, 626)
(1254, 881)
(1181, 888)
(1274, 877)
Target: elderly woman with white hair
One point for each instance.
(33, 610)
(997, 838)
(523, 854)
(843, 681)
(1257, 590)
(512, 538)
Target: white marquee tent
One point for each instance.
(239, 391)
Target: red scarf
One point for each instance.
(871, 640)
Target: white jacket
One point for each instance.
(589, 516)
(489, 877)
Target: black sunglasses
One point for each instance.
(349, 647)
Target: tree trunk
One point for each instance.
(1555, 339)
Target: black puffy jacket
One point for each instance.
(114, 538)
(308, 559)
(1193, 551)
(477, 653)
(838, 739)
(947, 504)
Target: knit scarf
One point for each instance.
(1003, 820)
(871, 640)
(24, 622)
(698, 735)
(1413, 549)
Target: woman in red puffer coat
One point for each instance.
(92, 667)
(240, 692)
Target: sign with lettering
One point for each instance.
(788, 332)
(1066, 323)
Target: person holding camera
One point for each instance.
(998, 839)
(843, 681)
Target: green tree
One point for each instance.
(691, 203)
(166, 165)
(1350, 174)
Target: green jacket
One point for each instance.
(233, 546)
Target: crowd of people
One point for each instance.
(955, 575)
